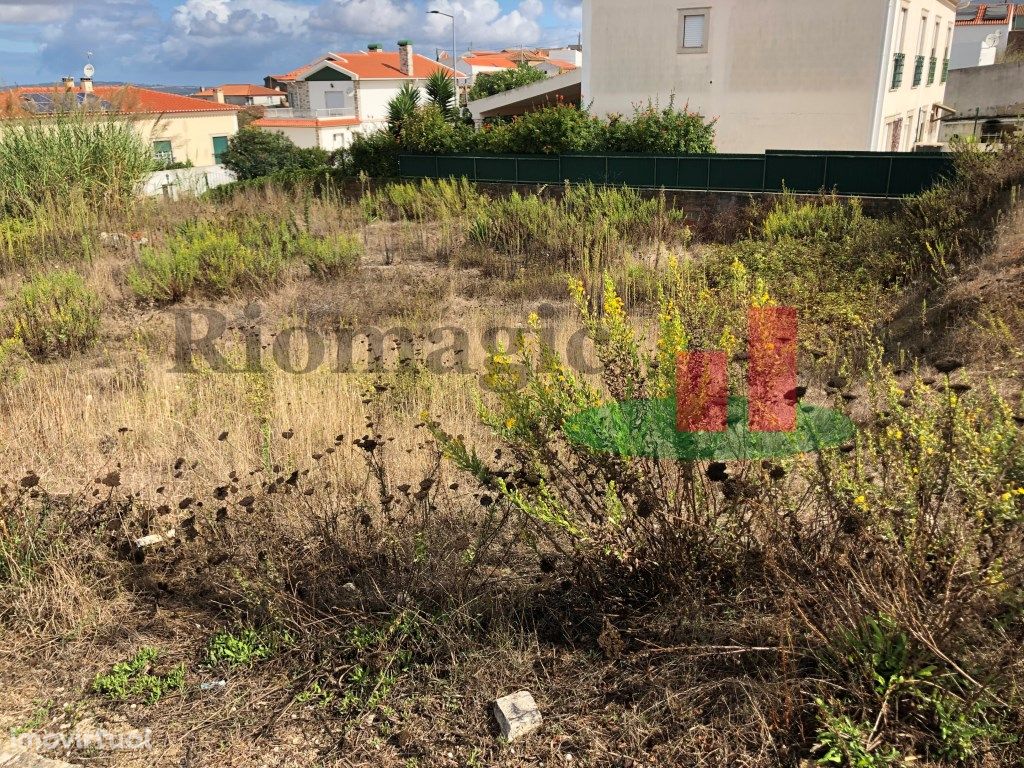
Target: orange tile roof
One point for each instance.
(243, 89)
(129, 99)
(490, 60)
(980, 20)
(371, 65)
(562, 64)
(333, 122)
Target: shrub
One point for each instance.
(490, 83)
(59, 159)
(253, 153)
(54, 314)
(429, 131)
(330, 257)
(375, 154)
(203, 258)
(665, 131)
(554, 130)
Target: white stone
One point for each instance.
(154, 539)
(517, 715)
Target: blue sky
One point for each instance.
(204, 42)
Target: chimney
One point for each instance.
(86, 83)
(374, 47)
(68, 82)
(218, 95)
(405, 59)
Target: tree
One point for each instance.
(253, 153)
(441, 92)
(490, 83)
(404, 105)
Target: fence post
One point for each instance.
(707, 177)
(824, 178)
(888, 180)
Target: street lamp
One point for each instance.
(455, 51)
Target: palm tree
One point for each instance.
(402, 107)
(441, 92)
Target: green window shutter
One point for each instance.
(163, 152)
(897, 70)
(220, 146)
(918, 70)
(932, 66)
(945, 70)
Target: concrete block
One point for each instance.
(517, 715)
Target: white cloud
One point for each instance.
(362, 17)
(32, 13)
(569, 10)
(484, 24)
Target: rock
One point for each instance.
(517, 715)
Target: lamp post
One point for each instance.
(455, 50)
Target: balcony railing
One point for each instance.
(933, 65)
(918, 70)
(897, 70)
(287, 113)
(945, 70)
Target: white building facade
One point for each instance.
(776, 74)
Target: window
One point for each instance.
(693, 30)
(901, 30)
(163, 152)
(220, 146)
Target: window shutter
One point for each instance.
(693, 31)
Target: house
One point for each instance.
(243, 95)
(983, 32)
(551, 61)
(480, 62)
(777, 74)
(180, 129)
(989, 102)
(342, 94)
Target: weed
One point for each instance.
(54, 314)
(135, 678)
(330, 257)
(245, 646)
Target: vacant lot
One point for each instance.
(284, 481)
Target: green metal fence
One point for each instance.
(868, 174)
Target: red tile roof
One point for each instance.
(129, 99)
(490, 60)
(234, 89)
(371, 65)
(562, 64)
(980, 20)
(330, 122)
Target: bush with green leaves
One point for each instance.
(53, 314)
(203, 258)
(330, 257)
(253, 153)
(664, 131)
(491, 83)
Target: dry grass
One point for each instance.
(375, 558)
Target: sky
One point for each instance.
(207, 42)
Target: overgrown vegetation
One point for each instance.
(70, 158)
(54, 314)
(491, 83)
(136, 678)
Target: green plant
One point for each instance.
(666, 131)
(245, 646)
(253, 153)
(203, 258)
(55, 160)
(53, 314)
(441, 92)
(490, 83)
(403, 106)
(330, 257)
(135, 678)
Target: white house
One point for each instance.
(982, 33)
(243, 95)
(341, 94)
(777, 74)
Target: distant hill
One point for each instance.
(181, 90)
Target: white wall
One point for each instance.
(305, 137)
(374, 96)
(778, 74)
(317, 99)
(910, 107)
(567, 54)
(972, 46)
(185, 182)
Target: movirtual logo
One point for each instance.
(702, 421)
